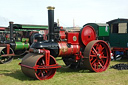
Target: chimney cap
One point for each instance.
(50, 8)
(11, 22)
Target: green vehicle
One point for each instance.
(17, 38)
(118, 37)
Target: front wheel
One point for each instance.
(37, 60)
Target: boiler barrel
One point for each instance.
(65, 49)
(21, 45)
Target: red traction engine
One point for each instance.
(78, 49)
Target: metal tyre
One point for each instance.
(97, 56)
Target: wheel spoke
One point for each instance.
(42, 74)
(97, 64)
(93, 56)
(39, 73)
(98, 47)
(100, 64)
(101, 53)
(42, 63)
(102, 61)
(94, 65)
(103, 56)
(93, 62)
(102, 49)
(91, 59)
(94, 50)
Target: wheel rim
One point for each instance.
(97, 56)
(7, 58)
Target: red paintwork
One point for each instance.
(41, 67)
(8, 55)
(62, 35)
(64, 50)
(119, 49)
(2, 28)
(8, 48)
(47, 57)
(73, 38)
(88, 34)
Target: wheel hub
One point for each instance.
(99, 56)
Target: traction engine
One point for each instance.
(78, 49)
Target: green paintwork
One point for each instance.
(25, 39)
(40, 27)
(118, 40)
(25, 26)
(25, 30)
(21, 45)
(103, 31)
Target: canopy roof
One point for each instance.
(119, 20)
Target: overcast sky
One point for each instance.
(82, 11)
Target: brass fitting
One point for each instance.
(50, 8)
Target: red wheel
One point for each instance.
(97, 56)
(33, 60)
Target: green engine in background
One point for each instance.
(102, 30)
(21, 45)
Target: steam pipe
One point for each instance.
(51, 23)
(11, 31)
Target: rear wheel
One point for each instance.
(97, 56)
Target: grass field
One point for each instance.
(10, 74)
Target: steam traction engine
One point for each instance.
(78, 49)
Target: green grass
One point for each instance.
(10, 74)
